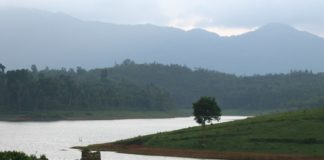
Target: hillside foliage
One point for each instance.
(49, 90)
(154, 86)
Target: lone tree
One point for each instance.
(205, 110)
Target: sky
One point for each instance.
(225, 17)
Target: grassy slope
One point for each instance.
(298, 132)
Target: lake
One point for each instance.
(54, 139)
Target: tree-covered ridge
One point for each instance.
(131, 86)
(46, 90)
(259, 92)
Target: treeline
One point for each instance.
(155, 87)
(297, 89)
(48, 90)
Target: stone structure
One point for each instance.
(89, 155)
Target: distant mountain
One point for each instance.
(56, 39)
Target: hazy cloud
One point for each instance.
(212, 14)
(229, 31)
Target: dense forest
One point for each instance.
(297, 89)
(131, 86)
(33, 90)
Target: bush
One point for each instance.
(14, 155)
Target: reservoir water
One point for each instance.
(54, 139)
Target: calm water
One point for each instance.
(54, 139)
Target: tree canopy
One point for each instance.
(206, 109)
(62, 90)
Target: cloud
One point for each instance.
(229, 31)
(190, 23)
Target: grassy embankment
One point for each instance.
(291, 135)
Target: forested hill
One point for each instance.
(131, 86)
(68, 90)
(259, 92)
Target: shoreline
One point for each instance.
(248, 139)
(87, 119)
(189, 153)
(86, 115)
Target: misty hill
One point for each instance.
(56, 40)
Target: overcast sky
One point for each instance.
(226, 17)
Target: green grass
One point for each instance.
(295, 132)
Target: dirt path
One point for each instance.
(137, 149)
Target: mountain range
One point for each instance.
(56, 39)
